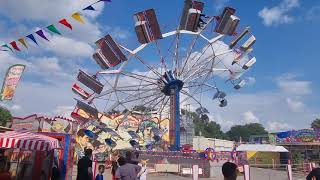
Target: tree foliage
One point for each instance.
(245, 131)
(5, 115)
(202, 123)
(316, 123)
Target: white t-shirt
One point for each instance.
(143, 172)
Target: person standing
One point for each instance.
(100, 174)
(114, 167)
(142, 175)
(314, 174)
(85, 166)
(127, 171)
(132, 158)
(229, 171)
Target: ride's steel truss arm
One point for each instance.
(209, 58)
(130, 99)
(195, 91)
(148, 66)
(162, 60)
(193, 43)
(163, 104)
(188, 97)
(138, 75)
(175, 59)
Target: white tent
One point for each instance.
(261, 148)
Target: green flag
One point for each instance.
(52, 28)
(7, 47)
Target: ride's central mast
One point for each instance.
(171, 86)
(174, 126)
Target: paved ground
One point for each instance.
(256, 174)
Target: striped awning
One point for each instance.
(28, 141)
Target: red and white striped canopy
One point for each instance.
(28, 141)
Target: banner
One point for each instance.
(52, 28)
(11, 81)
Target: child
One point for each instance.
(142, 175)
(101, 171)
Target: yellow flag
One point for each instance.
(77, 17)
(23, 42)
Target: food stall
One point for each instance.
(27, 155)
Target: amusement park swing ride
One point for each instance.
(181, 75)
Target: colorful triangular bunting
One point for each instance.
(30, 36)
(89, 8)
(41, 34)
(52, 28)
(66, 23)
(15, 46)
(77, 17)
(6, 46)
(23, 42)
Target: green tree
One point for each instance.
(316, 123)
(5, 115)
(296, 158)
(203, 124)
(245, 131)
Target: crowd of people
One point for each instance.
(122, 168)
(130, 168)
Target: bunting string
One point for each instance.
(51, 28)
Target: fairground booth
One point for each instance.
(26, 155)
(59, 128)
(304, 143)
(261, 154)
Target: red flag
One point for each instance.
(14, 45)
(66, 23)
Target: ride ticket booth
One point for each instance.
(26, 155)
(64, 155)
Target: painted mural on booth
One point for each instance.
(121, 131)
(296, 136)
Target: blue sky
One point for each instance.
(283, 93)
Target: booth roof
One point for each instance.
(261, 148)
(28, 141)
(3, 129)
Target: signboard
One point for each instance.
(30, 123)
(57, 125)
(11, 81)
(298, 136)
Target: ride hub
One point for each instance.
(168, 83)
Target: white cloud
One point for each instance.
(74, 43)
(249, 117)
(225, 124)
(67, 47)
(289, 84)
(278, 14)
(250, 81)
(13, 108)
(45, 10)
(63, 111)
(118, 33)
(43, 99)
(219, 4)
(313, 14)
(275, 126)
(48, 64)
(266, 105)
(295, 105)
